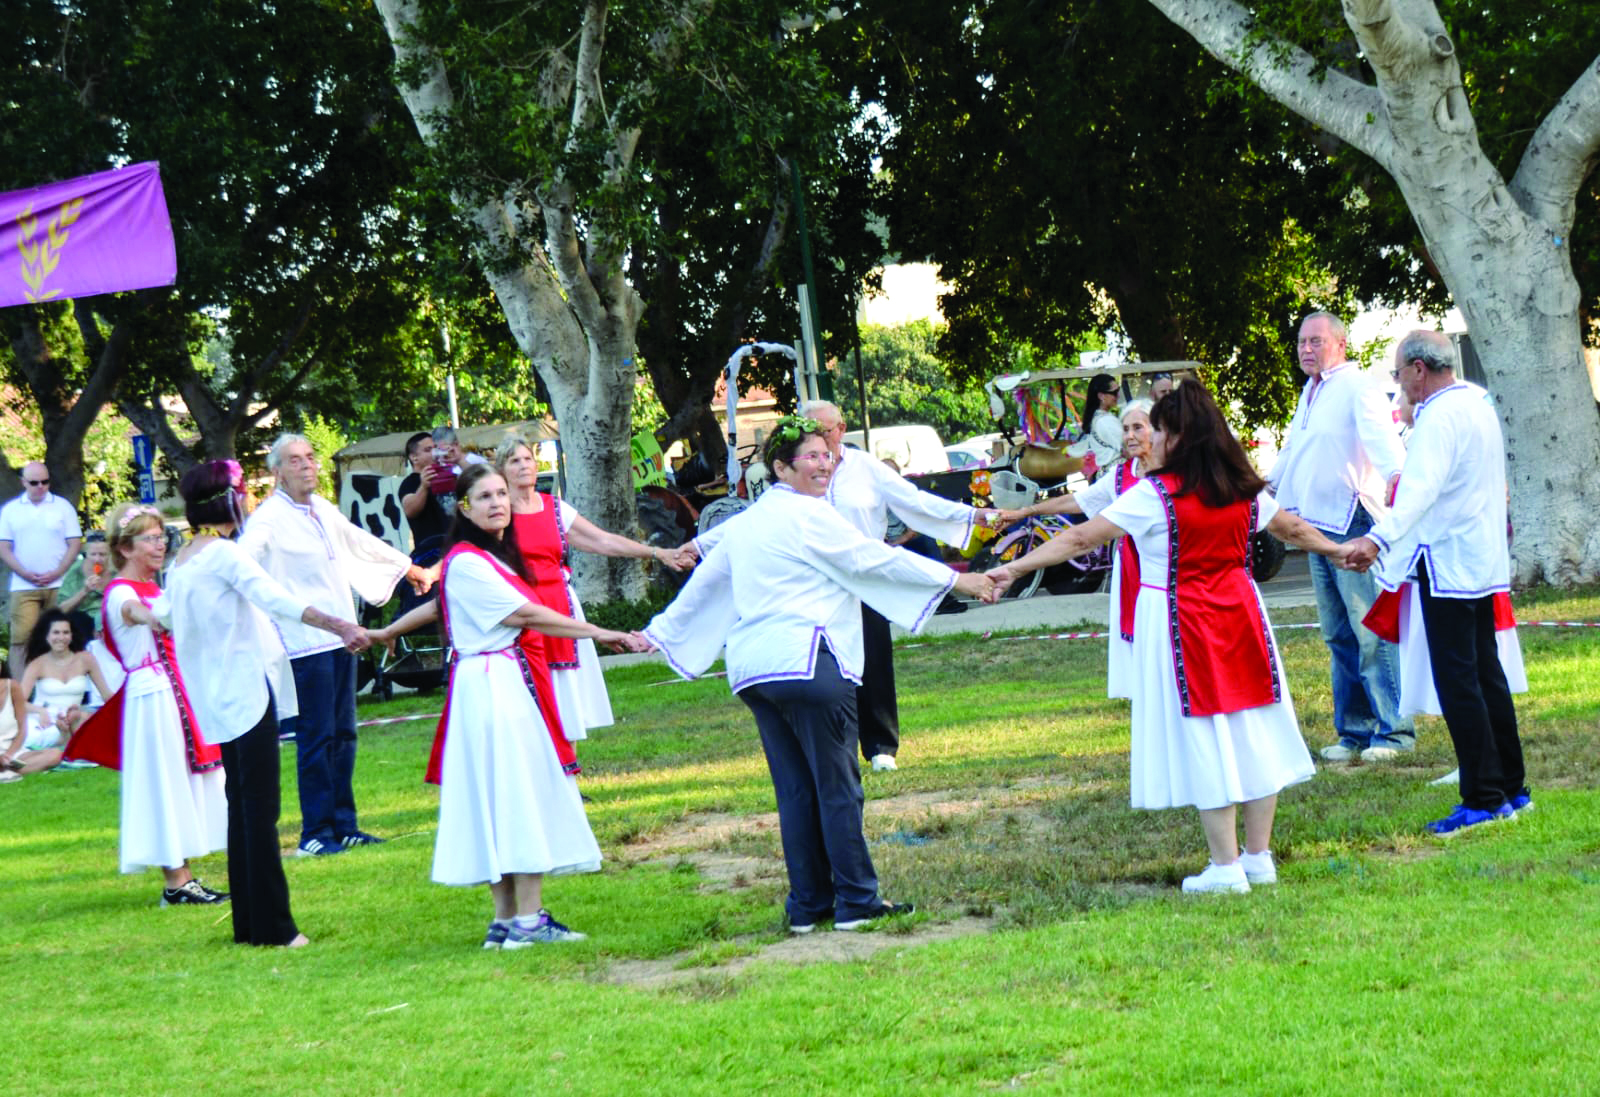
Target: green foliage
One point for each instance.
(908, 382)
(625, 616)
(1077, 167)
(326, 439)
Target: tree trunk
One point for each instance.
(574, 316)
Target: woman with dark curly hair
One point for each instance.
(55, 680)
(781, 590)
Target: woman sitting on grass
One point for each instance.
(59, 672)
(173, 803)
(508, 813)
(1213, 725)
(782, 591)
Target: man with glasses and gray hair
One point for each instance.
(308, 546)
(1338, 465)
(1448, 523)
(39, 540)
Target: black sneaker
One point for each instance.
(192, 892)
(360, 838)
(885, 910)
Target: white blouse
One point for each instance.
(787, 575)
(320, 555)
(228, 649)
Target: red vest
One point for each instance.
(529, 654)
(1221, 645)
(99, 739)
(543, 545)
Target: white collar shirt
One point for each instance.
(788, 575)
(1451, 506)
(1342, 449)
(864, 490)
(320, 556)
(38, 533)
(228, 651)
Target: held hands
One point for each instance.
(1010, 518)
(1357, 555)
(1002, 578)
(679, 559)
(354, 636)
(422, 579)
(620, 642)
(975, 585)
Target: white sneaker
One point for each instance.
(1451, 778)
(1259, 867)
(1379, 754)
(1218, 878)
(882, 763)
(1338, 752)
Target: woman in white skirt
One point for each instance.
(173, 803)
(508, 813)
(1120, 668)
(1213, 725)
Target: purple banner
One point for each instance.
(94, 234)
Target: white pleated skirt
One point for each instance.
(1121, 680)
(169, 813)
(1203, 761)
(504, 804)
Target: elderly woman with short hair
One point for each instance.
(782, 592)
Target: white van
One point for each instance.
(916, 449)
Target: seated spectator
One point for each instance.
(57, 680)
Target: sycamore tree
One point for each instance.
(1496, 223)
(540, 129)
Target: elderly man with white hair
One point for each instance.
(308, 546)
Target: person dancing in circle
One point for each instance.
(509, 814)
(174, 806)
(1213, 726)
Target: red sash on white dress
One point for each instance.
(543, 544)
(527, 652)
(1128, 553)
(99, 739)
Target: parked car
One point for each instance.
(915, 449)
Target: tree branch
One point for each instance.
(1561, 155)
(1352, 111)
(152, 420)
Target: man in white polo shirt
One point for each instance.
(1342, 456)
(304, 543)
(1452, 506)
(39, 540)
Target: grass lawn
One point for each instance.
(1051, 951)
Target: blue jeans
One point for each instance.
(325, 740)
(1366, 679)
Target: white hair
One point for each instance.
(281, 443)
(1140, 404)
(809, 409)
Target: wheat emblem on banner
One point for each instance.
(39, 258)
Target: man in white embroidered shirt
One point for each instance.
(304, 543)
(1452, 505)
(1342, 455)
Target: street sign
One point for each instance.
(144, 456)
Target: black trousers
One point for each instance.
(1473, 695)
(876, 709)
(808, 731)
(259, 893)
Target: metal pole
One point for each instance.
(861, 385)
(808, 292)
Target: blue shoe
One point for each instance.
(360, 838)
(316, 847)
(496, 935)
(544, 931)
(1463, 818)
(1521, 802)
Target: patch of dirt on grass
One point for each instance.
(822, 947)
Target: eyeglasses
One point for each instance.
(151, 539)
(38, 483)
(1316, 342)
(824, 457)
